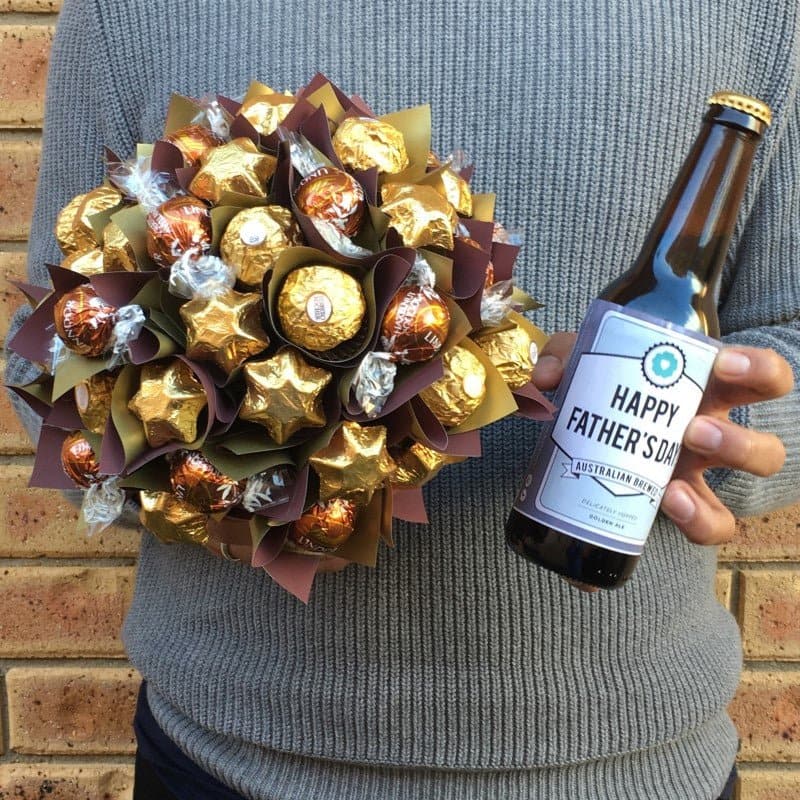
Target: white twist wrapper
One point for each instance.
(216, 116)
(496, 302)
(206, 276)
(130, 320)
(374, 382)
(136, 179)
(102, 505)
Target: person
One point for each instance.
(455, 669)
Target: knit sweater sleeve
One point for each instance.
(82, 114)
(762, 309)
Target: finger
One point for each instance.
(721, 443)
(697, 512)
(743, 375)
(552, 360)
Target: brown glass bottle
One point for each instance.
(643, 354)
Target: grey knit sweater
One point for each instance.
(455, 670)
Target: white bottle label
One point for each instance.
(633, 384)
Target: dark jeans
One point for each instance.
(163, 772)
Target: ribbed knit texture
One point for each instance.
(454, 669)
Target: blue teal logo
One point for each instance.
(663, 365)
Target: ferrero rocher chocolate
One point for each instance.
(415, 325)
(169, 402)
(362, 143)
(118, 254)
(284, 394)
(224, 328)
(79, 460)
(460, 390)
(172, 520)
(320, 307)
(354, 464)
(197, 481)
(179, 225)
(418, 464)
(84, 321)
(255, 238)
(87, 262)
(266, 112)
(333, 196)
(324, 527)
(74, 230)
(238, 166)
(457, 191)
(420, 215)
(193, 141)
(512, 351)
(93, 400)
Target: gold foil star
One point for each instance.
(354, 464)
(225, 328)
(169, 401)
(238, 166)
(284, 394)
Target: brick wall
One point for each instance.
(66, 692)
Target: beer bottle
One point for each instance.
(638, 371)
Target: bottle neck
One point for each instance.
(676, 274)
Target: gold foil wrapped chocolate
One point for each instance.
(79, 461)
(354, 464)
(74, 231)
(238, 166)
(320, 307)
(265, 112)
(255, 238)
(224, 328)
(179, 225)
(85, 322)
(420, 215)
(194, 141)
(118, 253)
(418, 464)
(284, 394)
(363, 143)
(456, 191)
(93, 400)
(197, 481)
(172, 520)
(324, 527)
(415, 325)
(461, 389)
(512, 351)
(169, 402)
(331, 195)
(86, 262)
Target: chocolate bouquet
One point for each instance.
(273, 326)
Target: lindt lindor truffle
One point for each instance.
(74, 231)
(237, 166)
(362, 143)
(197, 481)
(193, 141)
(181, 224)
(512, 351)
(420, 215)
(266, 491)
(354, 464)
(118, 253)
(319, 307)
(85, 322)
(460, 390)
(172, 520)
(168, 402)
(266, 111)
(418, 464)
(284, 394)
(93, 400)
(255, 238)
(224, 328)
(415, 325)
(79, 461)
(86, 262)
(331, 195)
(324, 527)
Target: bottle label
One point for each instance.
(630, 389)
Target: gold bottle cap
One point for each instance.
(742, 102)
